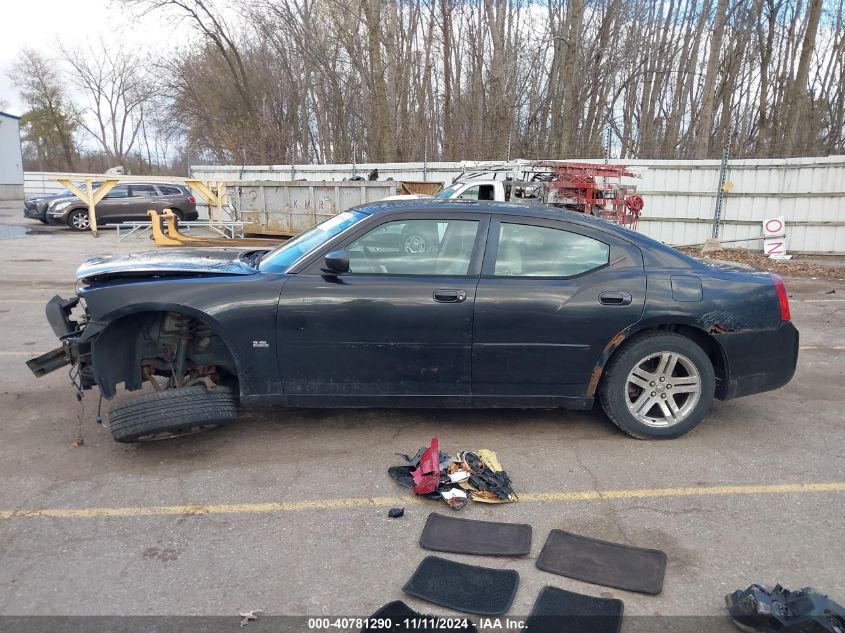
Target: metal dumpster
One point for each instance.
(286, 208)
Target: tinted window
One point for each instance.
(118, 191)
(169, 191)
(415, 247)
(538, 251)
(143, 191)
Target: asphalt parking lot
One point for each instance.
(287, 511)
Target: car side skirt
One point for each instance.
(427, 401)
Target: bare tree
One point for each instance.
(117, 87)
(363, 80)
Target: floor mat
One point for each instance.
(398, 617)
(484, 538)
(462, 587)
(603, 563)
(559, 611)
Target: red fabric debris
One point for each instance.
(427, 476)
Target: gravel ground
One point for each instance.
(796, 267)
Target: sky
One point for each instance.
(40, 24)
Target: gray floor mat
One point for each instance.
(466, 536)
(466, 588)
(603, 563)
(559, 611)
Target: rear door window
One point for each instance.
(142, 191)
(118, 191)
(526, 250)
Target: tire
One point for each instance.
(171, 413)
(78, 220)
(639, 405)
(180, 217)
(418, 242)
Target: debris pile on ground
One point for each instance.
(476, 475)
(787, 268)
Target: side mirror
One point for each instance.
(336, 263)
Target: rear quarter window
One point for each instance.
(537, 251)
(167, 190)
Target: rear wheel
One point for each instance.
(658, 386)
(172, 412)
(78, 220)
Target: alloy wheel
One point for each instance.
(80, 222)
(663, 389)
(415, 244)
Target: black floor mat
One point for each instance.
(463, 587)
(398, 617)
(559, 611)
(485, 538)
(603, 563)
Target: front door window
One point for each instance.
(415, 247)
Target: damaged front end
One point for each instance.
(76, 346)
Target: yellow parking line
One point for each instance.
(333, 504)
(817, 301)
(831, 347)
(18, 353)
(42, 301)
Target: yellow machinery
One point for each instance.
(175, 237)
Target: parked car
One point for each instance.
(125, 202)
(35, 207)
(516, 307)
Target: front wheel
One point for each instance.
(658, 386)
(78, 220)
(171, 413)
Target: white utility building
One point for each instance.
(11, 159)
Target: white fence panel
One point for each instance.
(680, 196)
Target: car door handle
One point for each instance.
(450, 296)
(615, 298)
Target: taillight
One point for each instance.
(192, 200)
(783, 299)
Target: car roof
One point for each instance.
(662, 255)
(498, 208)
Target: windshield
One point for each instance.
(67, 192)
(280, 258)
(449, 191)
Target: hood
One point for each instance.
(49, 197)
(41, 201)
(186, 262)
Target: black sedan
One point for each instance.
(425, 304)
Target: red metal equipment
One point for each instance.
(576, 186)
